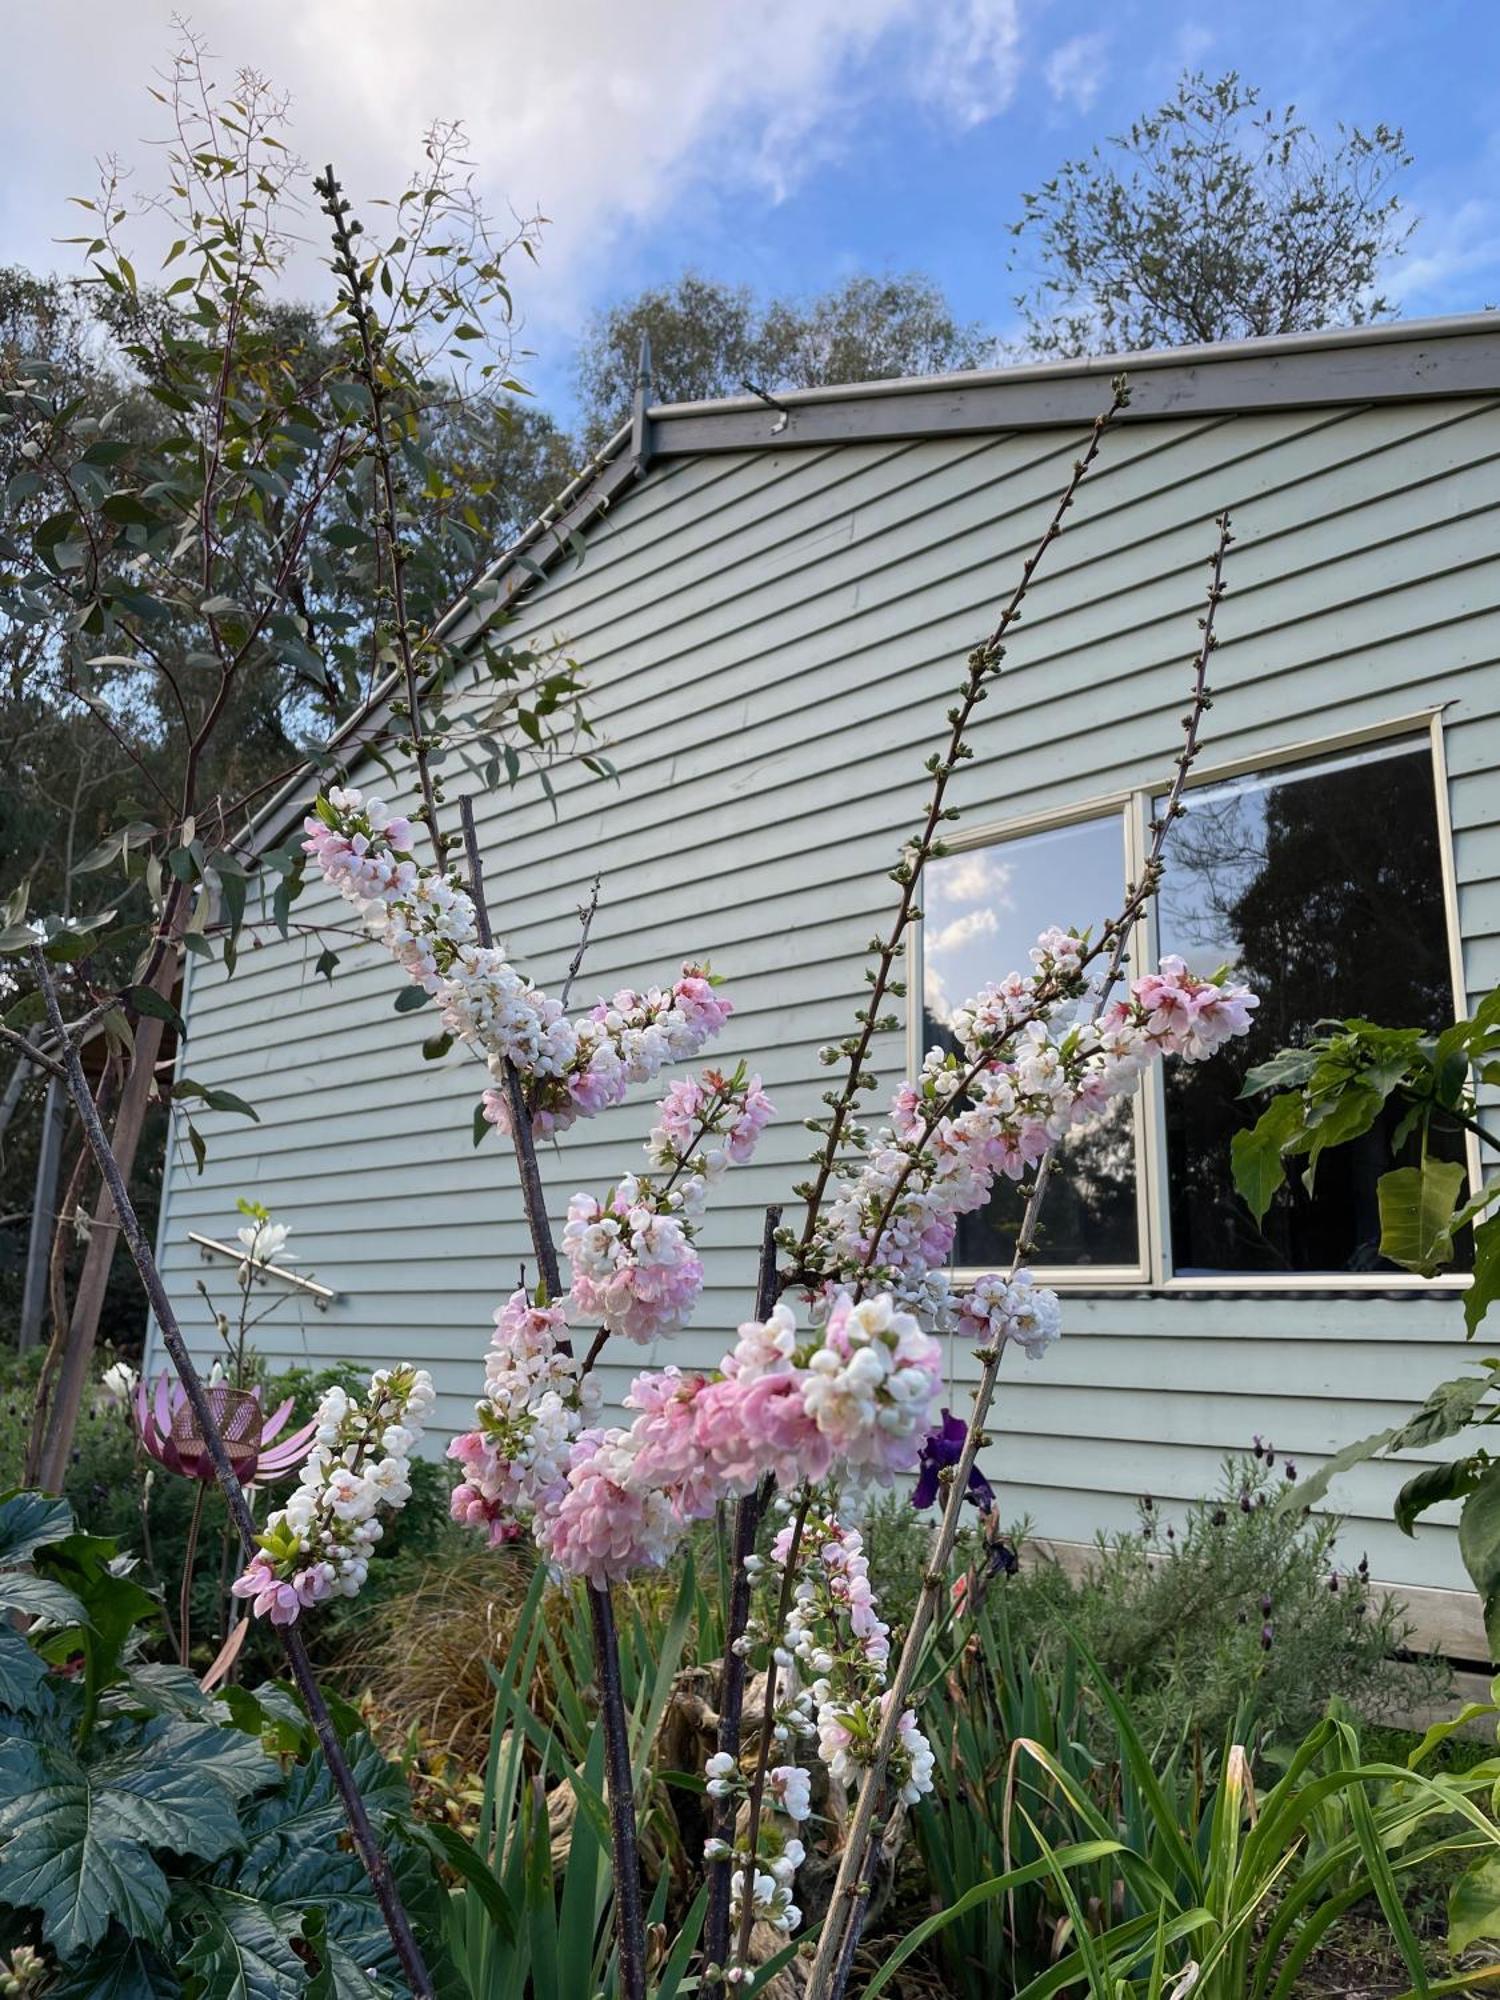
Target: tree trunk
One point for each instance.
(61, 1397)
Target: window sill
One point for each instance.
(1137, 1285)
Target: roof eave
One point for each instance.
(1400, 361)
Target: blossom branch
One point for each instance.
(734, 1672)
(831, 1960)
(586, 914)
(984, 663)
(629, 1921)
(397, 1923)
(358, 289)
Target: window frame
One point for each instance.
(1133, 806)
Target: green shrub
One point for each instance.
(1240, 1617)
(154, 1840)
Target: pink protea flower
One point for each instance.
(168, 1431)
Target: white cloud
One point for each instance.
(975, 59)
(962, 931)
(607, 117)
(935, 995)
(971, 878)
(1075, 71)
(1454, 263)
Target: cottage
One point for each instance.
(771, 602)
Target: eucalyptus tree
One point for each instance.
(1210, 219)
(215, 584)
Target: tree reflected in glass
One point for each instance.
(1323, 885)
(985, 909)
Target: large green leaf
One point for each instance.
(39, 1597)
(22, 1674)
(297, 1853)
(1433, 1485)
(1479, 1545)
(1288, 1069)
(1474, 1904)
(1417, 1209)
(244, 1949)
(122, 1968)
(76, 1839)
(1486, 1285)
(1336, 1120)
(28, 1521)
(1256, 1156)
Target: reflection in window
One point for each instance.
(1322, 884)
(984, 911)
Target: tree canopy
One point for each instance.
(1210, 219)
(709, 338)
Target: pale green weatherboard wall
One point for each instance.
(770, 638)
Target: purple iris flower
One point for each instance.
(944, 1448)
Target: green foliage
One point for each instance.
(1210, 220)
(710, 339)
(156, 1841)
(1236, 1616)
(1108, 1872)
(1331, 1090)
(1328, 1092)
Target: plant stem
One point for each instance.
(357, 305)
(767, 1733)
(625, 1851)
(397, 1923)
(630, 1930)
(189, 1557)
(823, 1983)
(734, 1672)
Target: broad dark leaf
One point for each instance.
(30, 1521)
(1432, 1486)
(22, 1674)
(1479, 1545)
(120, 1969)
(1257, 1155)
(1481, 1294)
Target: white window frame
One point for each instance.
(1133, 808)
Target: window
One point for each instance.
(1322, 882)
(984, 910)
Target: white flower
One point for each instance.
(118, 1382)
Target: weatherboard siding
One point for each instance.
(771, 638)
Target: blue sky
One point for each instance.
(786, 143)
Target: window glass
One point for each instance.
(1322, 884)
(984, 909)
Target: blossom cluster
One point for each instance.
(855, 1394)
(357, 1474)
(835, 1648)
(995, 1309)
(631, 1256)
(625, 1040)
(428, 922)
(1030, 1066)
(831, 1657)
(535, 1403)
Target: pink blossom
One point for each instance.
(605, 1525)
